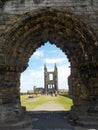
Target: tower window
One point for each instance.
(50, 76)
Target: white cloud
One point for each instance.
(63, 73)
(54, 60)
(39, 54)
(31, 78)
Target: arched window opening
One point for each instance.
(49, 55)
(49, 58)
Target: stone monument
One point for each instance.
(50, 80)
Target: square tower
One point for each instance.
(50, 80)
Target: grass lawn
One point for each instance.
(31, 103)
(65, 101)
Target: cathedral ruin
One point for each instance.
(50, 80)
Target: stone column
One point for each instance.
(93, 91)
(89, 86)
(10, 106)
(88, 115)
(75, 79)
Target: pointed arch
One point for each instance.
(63, 29)
(68, 33)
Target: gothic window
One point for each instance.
(50, 76)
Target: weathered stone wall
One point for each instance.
(73, 29)
(86, 10)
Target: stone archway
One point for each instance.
(72, 36)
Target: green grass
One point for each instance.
(65, 101)
(24, 98)
(31, 103)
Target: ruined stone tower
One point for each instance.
(50, 80)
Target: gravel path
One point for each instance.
(50, 106)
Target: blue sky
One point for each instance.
(48, 54)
